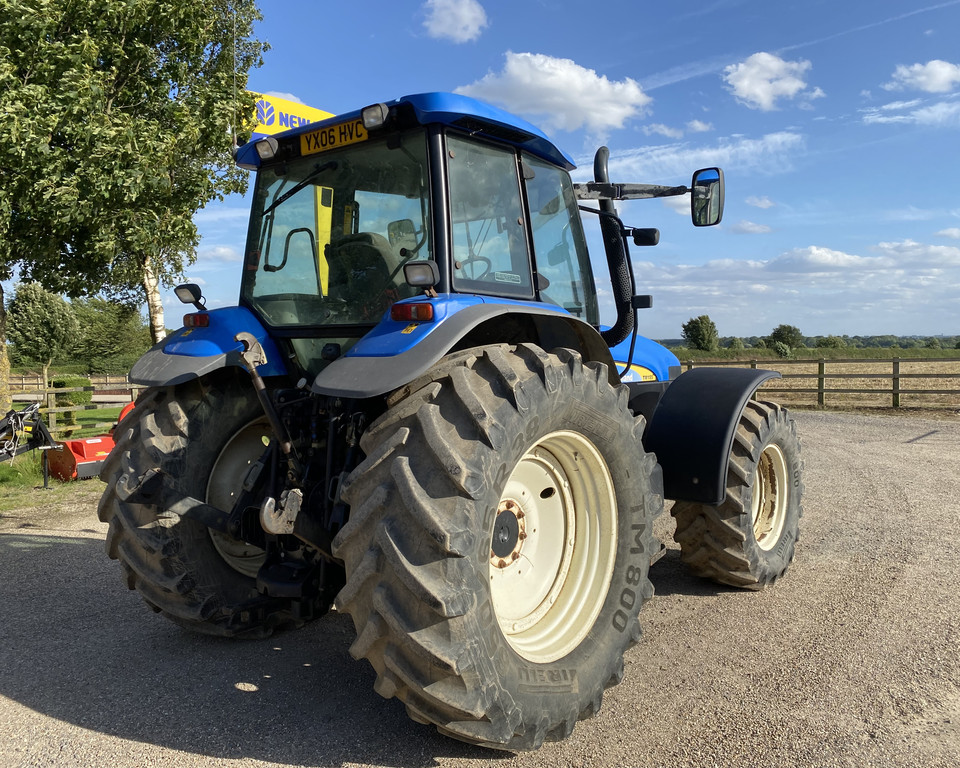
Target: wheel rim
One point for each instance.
(553, 547)
(770, 492)
(226, 478)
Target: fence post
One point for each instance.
(689, 365)
(821, 367)
(896, 382)
(51, 404)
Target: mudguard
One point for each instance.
(395, 353)
(192, 352)
(692, 430)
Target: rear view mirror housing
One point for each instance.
(706, 197)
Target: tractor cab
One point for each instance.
(432, 194)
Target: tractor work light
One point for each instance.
(374, 116)
(421, 274)
(267, 148)
(189, 293)
(417, 311)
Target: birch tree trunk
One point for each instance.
(151, 286)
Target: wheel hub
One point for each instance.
(509, 532)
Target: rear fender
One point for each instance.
(395, 353)
(193, 352)
(693, 426)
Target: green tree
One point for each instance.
(933, 343)
(787, 334)
(115, 131)
(111, 337)
(831, 342)
(701, 333)
(782, 349)
(736, 344)
(41, 326)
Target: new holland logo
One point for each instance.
(265, 113)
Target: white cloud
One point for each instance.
(769, 154)
(221, 213)
(662, 130)
(285, 95)
(561, 92)
(952, 232)
(897, 287)
(944, 114)
(459, 21)
(764, 78)
(221, 254)
(744, 227)
(698, 126)
(936, 76)
(759, 202)
(816, 259)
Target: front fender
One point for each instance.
(193, 352)
(693, 426)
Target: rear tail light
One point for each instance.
(196, 320)
(417, 311)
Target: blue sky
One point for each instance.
(837, 124)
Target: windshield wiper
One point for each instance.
(331, 166)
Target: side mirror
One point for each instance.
(402, 233)
(706, 197)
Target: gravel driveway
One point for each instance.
(852, 660)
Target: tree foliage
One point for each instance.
(41, 325)
(788, 335)
(114, 132)
(701, 333)
(111, 336)
(831, 342)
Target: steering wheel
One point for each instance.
(487, 266)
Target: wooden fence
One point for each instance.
(853, 382)
(106, 392)
(840, 383)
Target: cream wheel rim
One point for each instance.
(770, 492)
(553, 546)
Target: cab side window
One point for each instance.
(489, 243)
(560, 250)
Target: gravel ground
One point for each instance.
(852, 660)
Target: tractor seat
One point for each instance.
(360, 269)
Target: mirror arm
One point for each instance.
(595, 190)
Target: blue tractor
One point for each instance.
(415, 415)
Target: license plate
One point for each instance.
(333, 136)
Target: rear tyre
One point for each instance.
(203, 435)
(749, 541)
(498, 544)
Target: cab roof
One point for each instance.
(451, 109)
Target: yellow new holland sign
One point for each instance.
(275, 114)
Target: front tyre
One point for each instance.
(749, 541)
(498, 544)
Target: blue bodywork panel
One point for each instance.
(394, 337)
(651, 361)
(191, 352)
(446, 109)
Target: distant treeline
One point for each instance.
(836, 342)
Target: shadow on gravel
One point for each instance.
(77, 646)
(671, 577)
